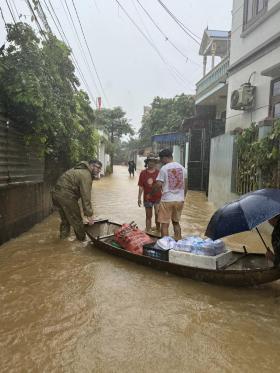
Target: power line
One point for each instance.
(75, 61)
(14, 5)
(165, 36)
(64, 38)
(2, 15)
(186, 30)
(151, 43)
(43, 17)
(173, 71)
(79, 41)
(141, 19)
(36, 19)
(11, 12)
(90, 54)
(178, 21)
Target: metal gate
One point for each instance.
(199, 154)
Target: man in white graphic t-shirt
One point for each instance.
(171, 179)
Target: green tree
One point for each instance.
(123, 149)
(85, 138)
(39, 93)
(166, 115)
(115, 124)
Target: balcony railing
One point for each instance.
(210, 80)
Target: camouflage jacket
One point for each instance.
(76, 183)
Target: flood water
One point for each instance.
(67, 307)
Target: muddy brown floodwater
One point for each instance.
(67, 307)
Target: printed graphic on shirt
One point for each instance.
(150, 181)
(175, 178)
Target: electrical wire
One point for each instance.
(178, 21)
(66, 41)
(90, 54)
(2, 15)
(75, 61)
(165, 36)
(41, 30)
(141, 19)
(36, 19)
(175, 74)
(71, 21)
(43, 17)
(186, 30)
(11, 12)
(14, 6)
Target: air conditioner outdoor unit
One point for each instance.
(243, 98)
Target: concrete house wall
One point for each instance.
(255, 49)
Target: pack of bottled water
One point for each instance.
(198, 246)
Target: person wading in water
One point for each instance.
(74, 184)
(146, 181)
(131, 167)
(171, 179)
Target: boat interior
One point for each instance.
(104, 230)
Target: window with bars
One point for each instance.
(253, 10)
(275, 98)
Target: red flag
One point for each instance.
(99, 102)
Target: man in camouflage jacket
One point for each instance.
(74, 184)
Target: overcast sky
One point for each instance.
(131, 71)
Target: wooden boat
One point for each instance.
(246, 269)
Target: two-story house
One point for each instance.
(255, 58)
(253, 86)
(211, 103)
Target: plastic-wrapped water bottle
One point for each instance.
(183, 245)
(197, 249)
(219, 247)
(208, 248)
(186, 243)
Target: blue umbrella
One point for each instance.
(244, 214)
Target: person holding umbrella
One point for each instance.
(275, 240)
(247, 213)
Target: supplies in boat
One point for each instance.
(132, 239)
(194, 251)
(166, 243)
(155, 251)
(192, 244)
(198, 246)
(191, 251)
(160, 249)
(201, 261)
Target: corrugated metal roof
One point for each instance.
(172, 138)
(217, 34)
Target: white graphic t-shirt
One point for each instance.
(173, 176)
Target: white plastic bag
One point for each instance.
(166, 243)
